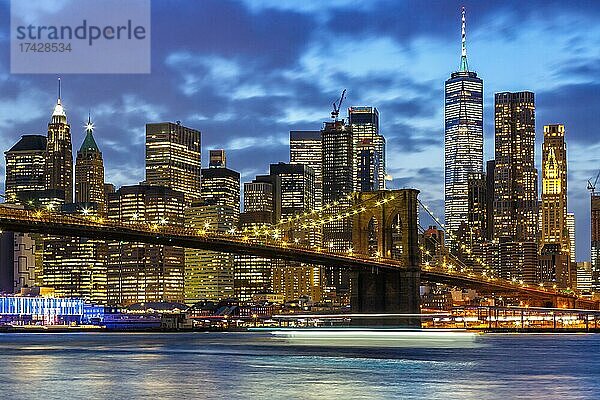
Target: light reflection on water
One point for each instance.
(261, 365)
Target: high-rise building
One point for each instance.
(477, 211)
(208, 274)
(490, 194)
(221, 185)
(59, 152)
(217, 159)
(145, 272)
(25, 168)
(74, 266)
(368, 171)
(584, 277)
(463, 149)
(554, 187)
(297, 188)
(24, 257)
(262, 207)
(297, 196)
(554, 239)
(173, 158)
(262, 200)
(89, 171)
(571, 228)
(338, 158)
(337, 181)
(515, 185)
(595, 238)
(515, 175)
(306, 147)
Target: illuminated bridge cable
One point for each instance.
(468, 250)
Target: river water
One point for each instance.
(261, 365)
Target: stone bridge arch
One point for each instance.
(397, 228)
(396, 236)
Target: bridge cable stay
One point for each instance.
(318, 217)
(467, 249)
(469, 252)
(462, 266)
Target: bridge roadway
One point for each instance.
(18, 220)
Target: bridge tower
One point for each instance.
(389, 229)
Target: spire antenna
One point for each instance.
(89, 127)
(464, 66)
(59, 90)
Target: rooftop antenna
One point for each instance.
(58, 90)
(464, 66)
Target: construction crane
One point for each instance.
(337, 105)
(592, 186)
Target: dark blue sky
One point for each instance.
(246, 72)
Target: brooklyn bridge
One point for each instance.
(384, 280)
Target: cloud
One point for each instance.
(247, 72)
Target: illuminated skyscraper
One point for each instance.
(306, 147)
(338, 162)
(221, 185)
(73, 266)
(262, 207)
(217, 159)
(145, 272)
(89, 172)
(173, 158)
(297, 196)
(554, 240)
(337, 181)
(515, 189)
(368, 171)
(59, 152)
(595, 236)
(208, 274)
(25, 168)
(463, 151)
(571, 227)
(262, 201)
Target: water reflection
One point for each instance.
(262, 365)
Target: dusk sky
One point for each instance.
(245, 73)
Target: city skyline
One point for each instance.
(260, 117)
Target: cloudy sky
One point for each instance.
(247, 72)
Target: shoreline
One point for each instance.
(71, 329)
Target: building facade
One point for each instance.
(25, 168)
(463, 139)
(89, 172)
(595, 239)
(515, 185)
(208, 274)
(59, 153)
(306, 147)
(338, 162)
(221, 185)
(173, 158)
(297, 196)
(368, 172)
(145, 272)
(555, 242)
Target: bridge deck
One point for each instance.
(19, 220)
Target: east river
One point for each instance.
(263, 365)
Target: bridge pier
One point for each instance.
(385, 292)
